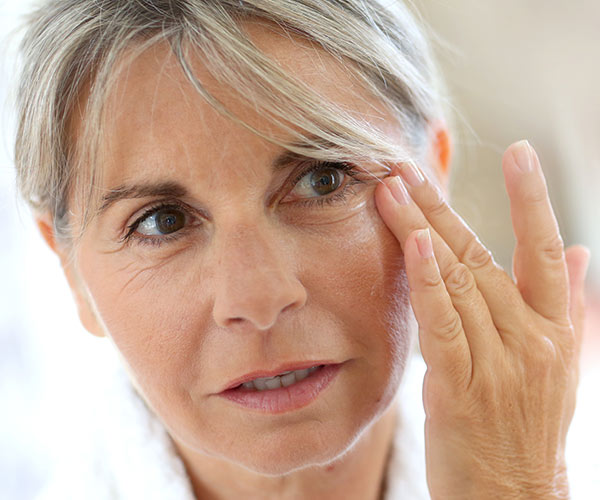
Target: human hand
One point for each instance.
(502, 355)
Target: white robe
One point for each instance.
(126, 453)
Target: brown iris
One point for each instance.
(169, 220)
(325, 180)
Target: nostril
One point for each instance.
(293, 305)
(256, 298)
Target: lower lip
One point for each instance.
(285, 399)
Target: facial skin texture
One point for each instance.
(256, 279)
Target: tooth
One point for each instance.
(288, 379)
(260, 384)
(285, 379)
(273, 383)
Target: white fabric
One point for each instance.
(129, 455)
(406, 470)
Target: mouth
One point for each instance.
(285, 379)
(283, 376)
(287, 391)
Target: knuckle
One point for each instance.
(430, 283)
(553, 249)
(535, 197)
(460, 280)
(476, 255)
(435, 206)
(542, 356)
(449, 326)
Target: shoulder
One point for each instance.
(125, 453)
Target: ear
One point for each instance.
(87, 314)
(439, 154)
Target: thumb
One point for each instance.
(578, 259)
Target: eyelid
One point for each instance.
(311, 166)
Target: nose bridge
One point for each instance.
(255, 280)
(253, 246)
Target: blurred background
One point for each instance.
(514, 69)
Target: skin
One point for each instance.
(502, 355)
(258, 279)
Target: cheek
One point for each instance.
(358, 273)
(153, 320)
(361, 267)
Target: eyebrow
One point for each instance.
(174, 189)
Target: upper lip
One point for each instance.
(295, 365)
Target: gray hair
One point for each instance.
(72, 45)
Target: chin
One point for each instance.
(279, 460)
(315, 443)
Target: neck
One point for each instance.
(358, 475)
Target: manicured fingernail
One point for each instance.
(523, 155)
(398, 190)
(410, 173)
(424, 243)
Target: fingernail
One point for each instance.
(523, 155)
(411, 174)
(424, 243)
(398, 190)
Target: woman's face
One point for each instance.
(206, 263)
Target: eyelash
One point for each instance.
(320, 201)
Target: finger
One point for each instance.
(441, 335)
(539, 264)
(578, 258)
(495, 285)
(403, 220)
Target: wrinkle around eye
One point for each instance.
(341, 216)
(156, 264)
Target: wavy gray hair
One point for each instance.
(72, 45)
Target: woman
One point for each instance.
(248, 200)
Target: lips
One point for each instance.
(292, 366)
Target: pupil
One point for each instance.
(169, 221)
(326, 182)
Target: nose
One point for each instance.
(254, 279)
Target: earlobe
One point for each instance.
(87, 315)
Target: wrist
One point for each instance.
(519, 486)
(507, 483)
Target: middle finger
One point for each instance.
(457, 243)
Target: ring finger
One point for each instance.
(404, 217)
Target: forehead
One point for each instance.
(154, 113)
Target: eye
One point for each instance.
(321, 179)
(161, 221)
(319, 184)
